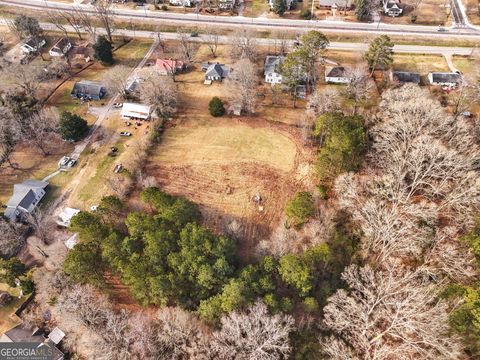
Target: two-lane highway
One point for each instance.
(229, 21)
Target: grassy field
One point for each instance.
(472, 7)
(422, 64)
(470, 66)
(8, 319)
(211, 145)
(223, 163)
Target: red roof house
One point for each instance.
(169, 66)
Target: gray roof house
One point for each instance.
(403, 77)
(25, 198)
(20, 334)
(216, 72)
(451, 79)
(89, 89)
(270, 69)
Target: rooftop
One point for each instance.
(406, 77)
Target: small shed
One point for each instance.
(71, 241)
(65, 217)
(56, 335)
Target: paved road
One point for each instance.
(301, 25)
(346, 46)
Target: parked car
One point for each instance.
(117, 105)
(125, 133)
(63, 161)
(71, 163)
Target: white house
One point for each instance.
(391, 8)
(270, 70)
(25, 198)
(32, 45)
(185, 3)
(338, 75)
(288, 3)
(136, 111)
(60, 48)
(450, 79)
(226, 4)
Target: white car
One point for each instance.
(125, 133)
(117, 105)
(63, 161)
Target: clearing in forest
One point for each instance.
(224, 164)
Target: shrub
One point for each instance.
(164, 7)
(215, 107)
(300, 208)
(306, 14)
(310, 304)
(322, 190)
(72, 126)
(27, 286)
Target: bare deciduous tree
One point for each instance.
(39, 129)
(42, 224)
(159, 92)
(254, 334)
(24, 77)
(8, 137)
(187, 49)
(116, 80)
(281, 42)
(104, 13)
(242, 81)
(323, 101)
(244, 45)
(12, 238)
(85, 305)
(388, 316)
(212, 35)
(359, 88)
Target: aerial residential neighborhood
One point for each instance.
(239, 179)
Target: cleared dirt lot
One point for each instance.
(223, 164)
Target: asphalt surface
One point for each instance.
(302, 25)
